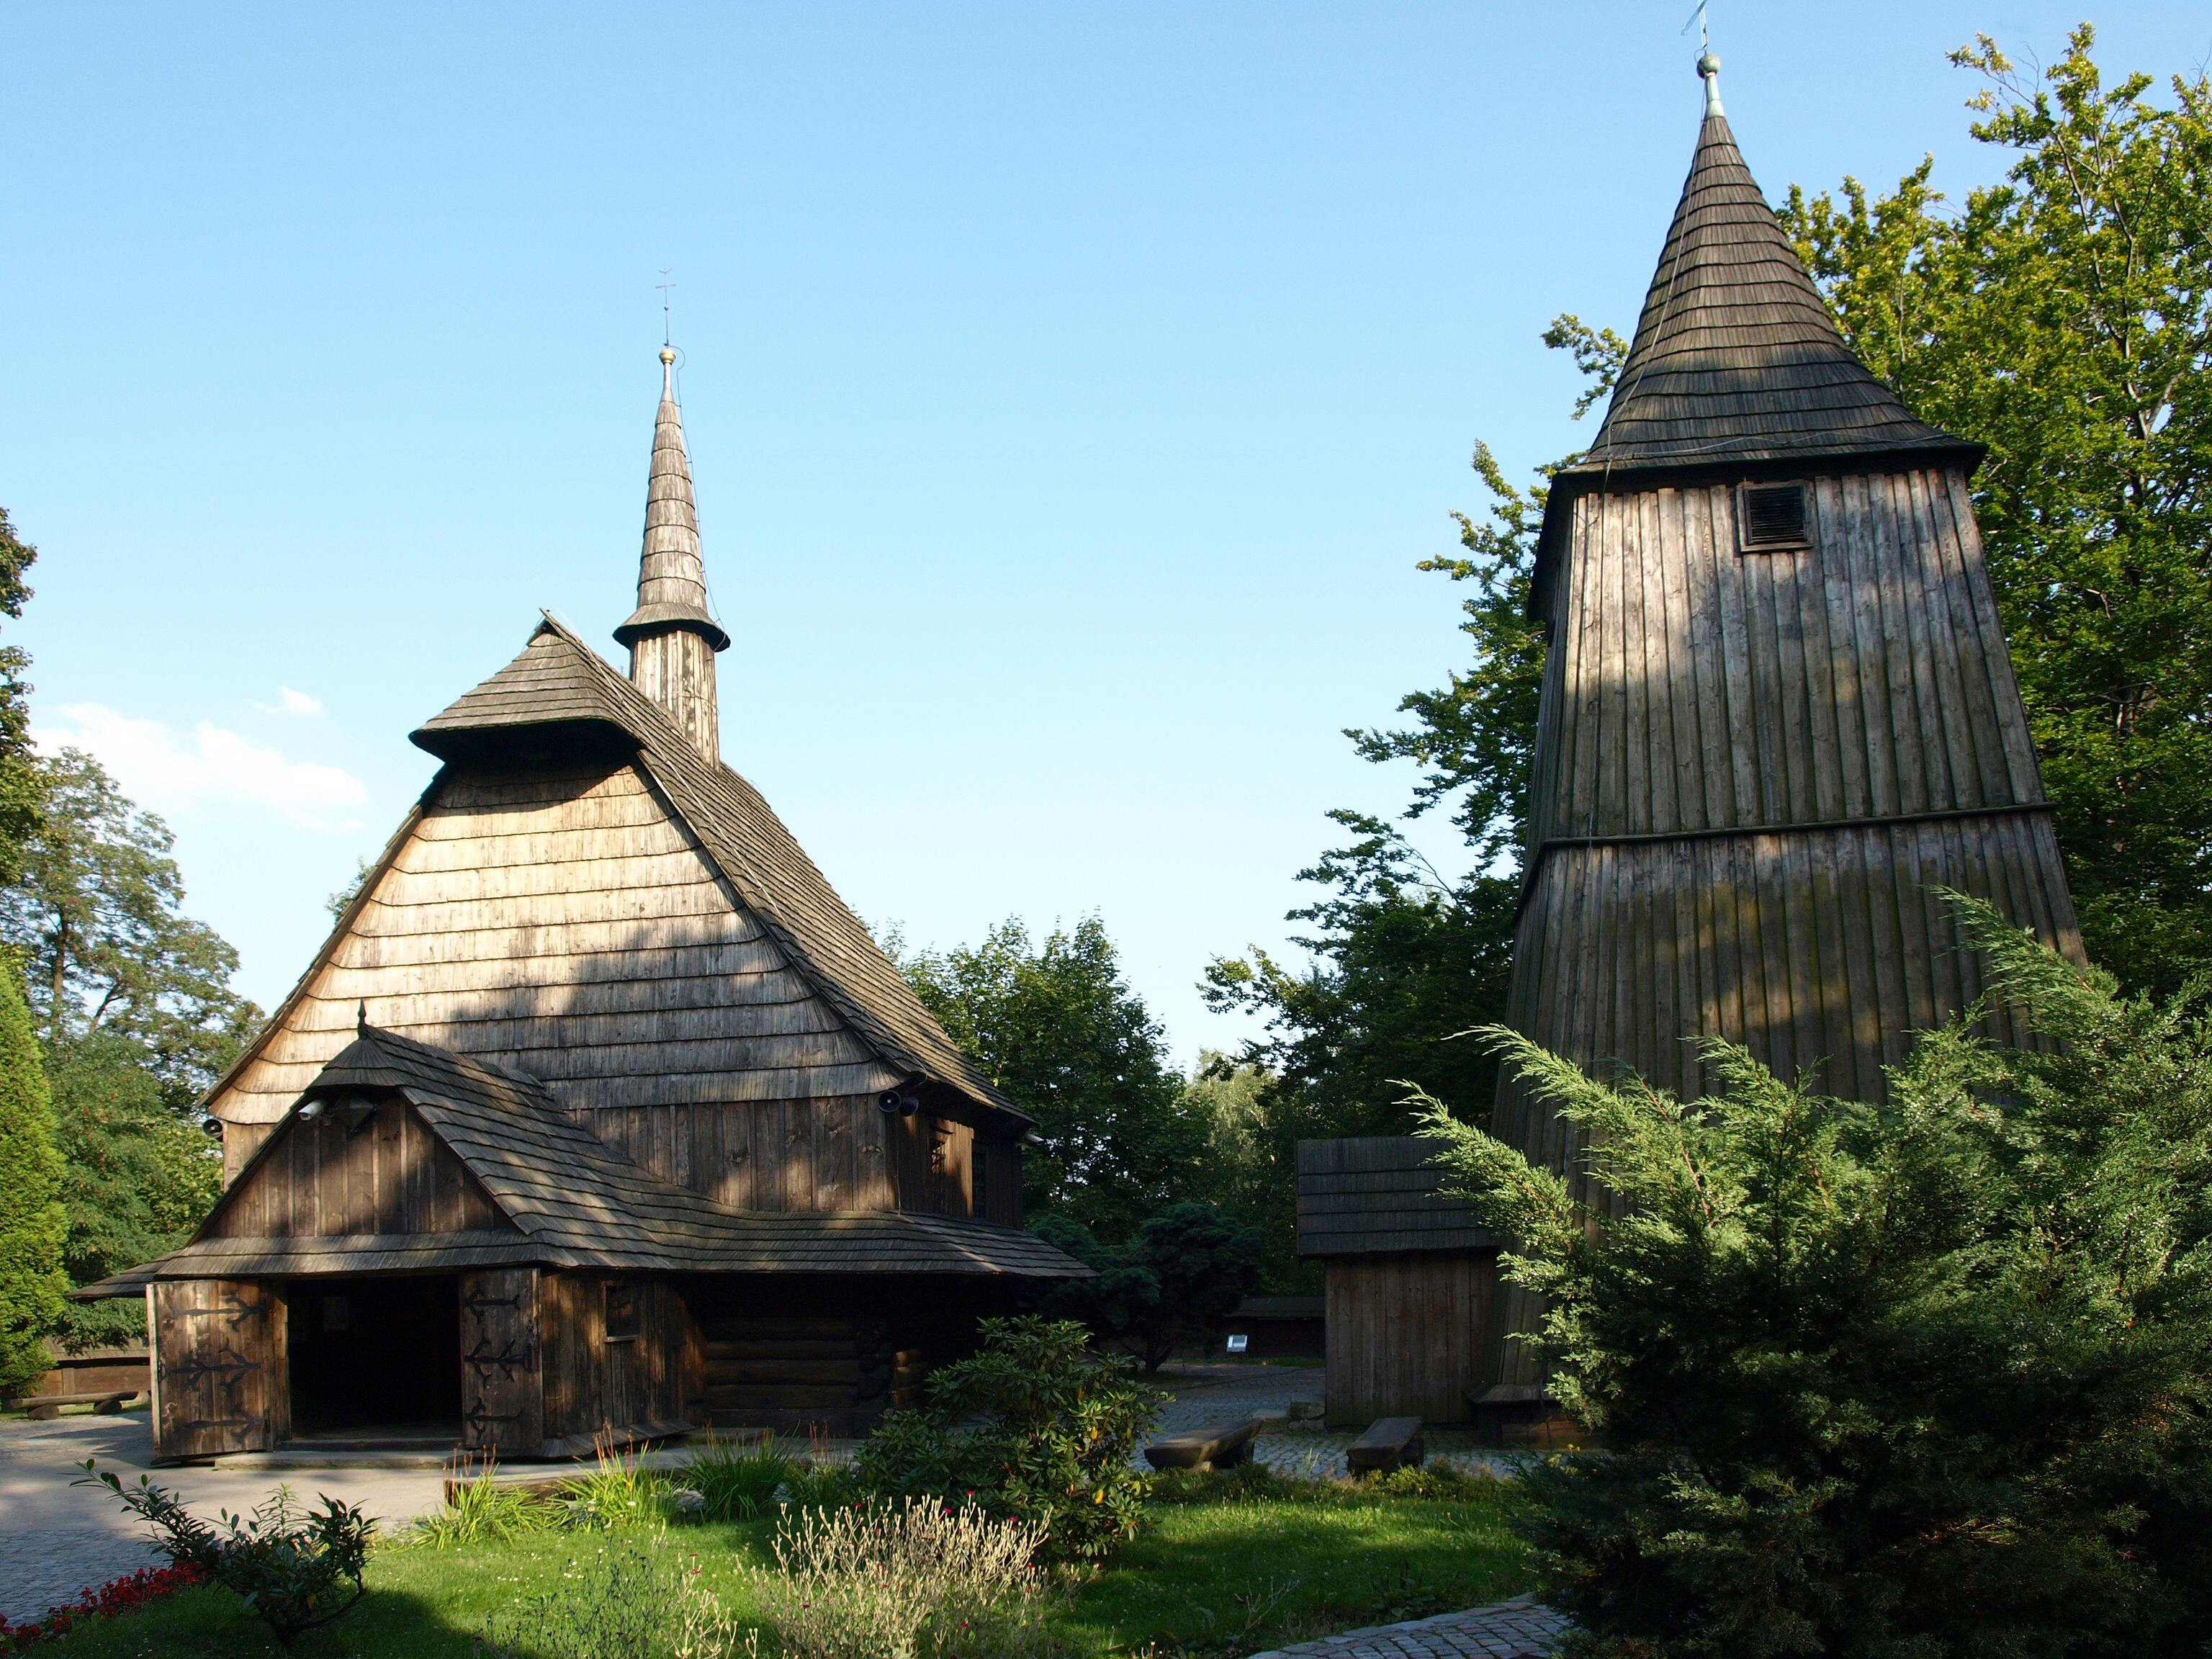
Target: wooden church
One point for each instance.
(1777, 710)
(597, 1111)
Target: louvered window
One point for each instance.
(1771, 517)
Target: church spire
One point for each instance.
(1736, 359)
(671, 638)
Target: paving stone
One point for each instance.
(1522, 1628)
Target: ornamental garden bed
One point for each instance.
(1226, 1566)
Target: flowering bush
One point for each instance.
(918, 1579)
(296, 1572)
(124, 1595)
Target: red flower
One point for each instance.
(131, 1591)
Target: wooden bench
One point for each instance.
(1390, 1442)
(1518, 1414)
(44, 1407)
(1217, 1448)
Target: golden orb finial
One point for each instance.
(667, 353)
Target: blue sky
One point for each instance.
(1071, 392)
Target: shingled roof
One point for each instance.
(560, 684)
(1378, 1195)
(573, 1201)
(1737, 366)
(1735, 356)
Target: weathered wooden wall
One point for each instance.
(326, 1179)
(503, 1370)
(563, 922)
(1407, 1334)
(219, 1367)
(592, 1382)
(1751, 769)
(1690, 687)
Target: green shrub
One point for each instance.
(479, 1510)
(296, 1572)
(1032, 1426)
(619, 1491)
(1170, 1282)
(737, 1481)
(1434, 1481)
(1928, 1378)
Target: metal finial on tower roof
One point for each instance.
(1709, 67)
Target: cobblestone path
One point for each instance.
(1520, 1629)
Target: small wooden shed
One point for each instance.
(1411, 1278)
(599, 1110)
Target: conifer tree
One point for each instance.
(1927, 1378)
(30, 1202)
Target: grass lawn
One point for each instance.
(1215, 1573)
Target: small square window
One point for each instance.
(336, 1314)
(621, 1310)
(1770, 518)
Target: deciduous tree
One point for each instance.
(98, 918)
(2064, 318)
(1057, 1029)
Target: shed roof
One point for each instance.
(560, 685)
(575, 1202)
(1377, 1195)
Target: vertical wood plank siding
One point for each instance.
(1407, 1334)
(328, 1179)
(1751, 772)
(1693, 688)
(591, 1383)
(221, 1383)
(503, 1383)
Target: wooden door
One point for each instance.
(502, 1403)
(218, 1367)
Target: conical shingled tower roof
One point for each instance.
(1735, 357)
(671, 576)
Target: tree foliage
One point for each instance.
(137, 1176)
(1401, 956)
(30, 1199)
(1932, 1378)
(97, 916)
(1032, 1424)
(1057, 1029)
(2064, 318)
(1182, 1270)
(19, 794)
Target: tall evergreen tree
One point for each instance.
(31, 1281)
(19, 791)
